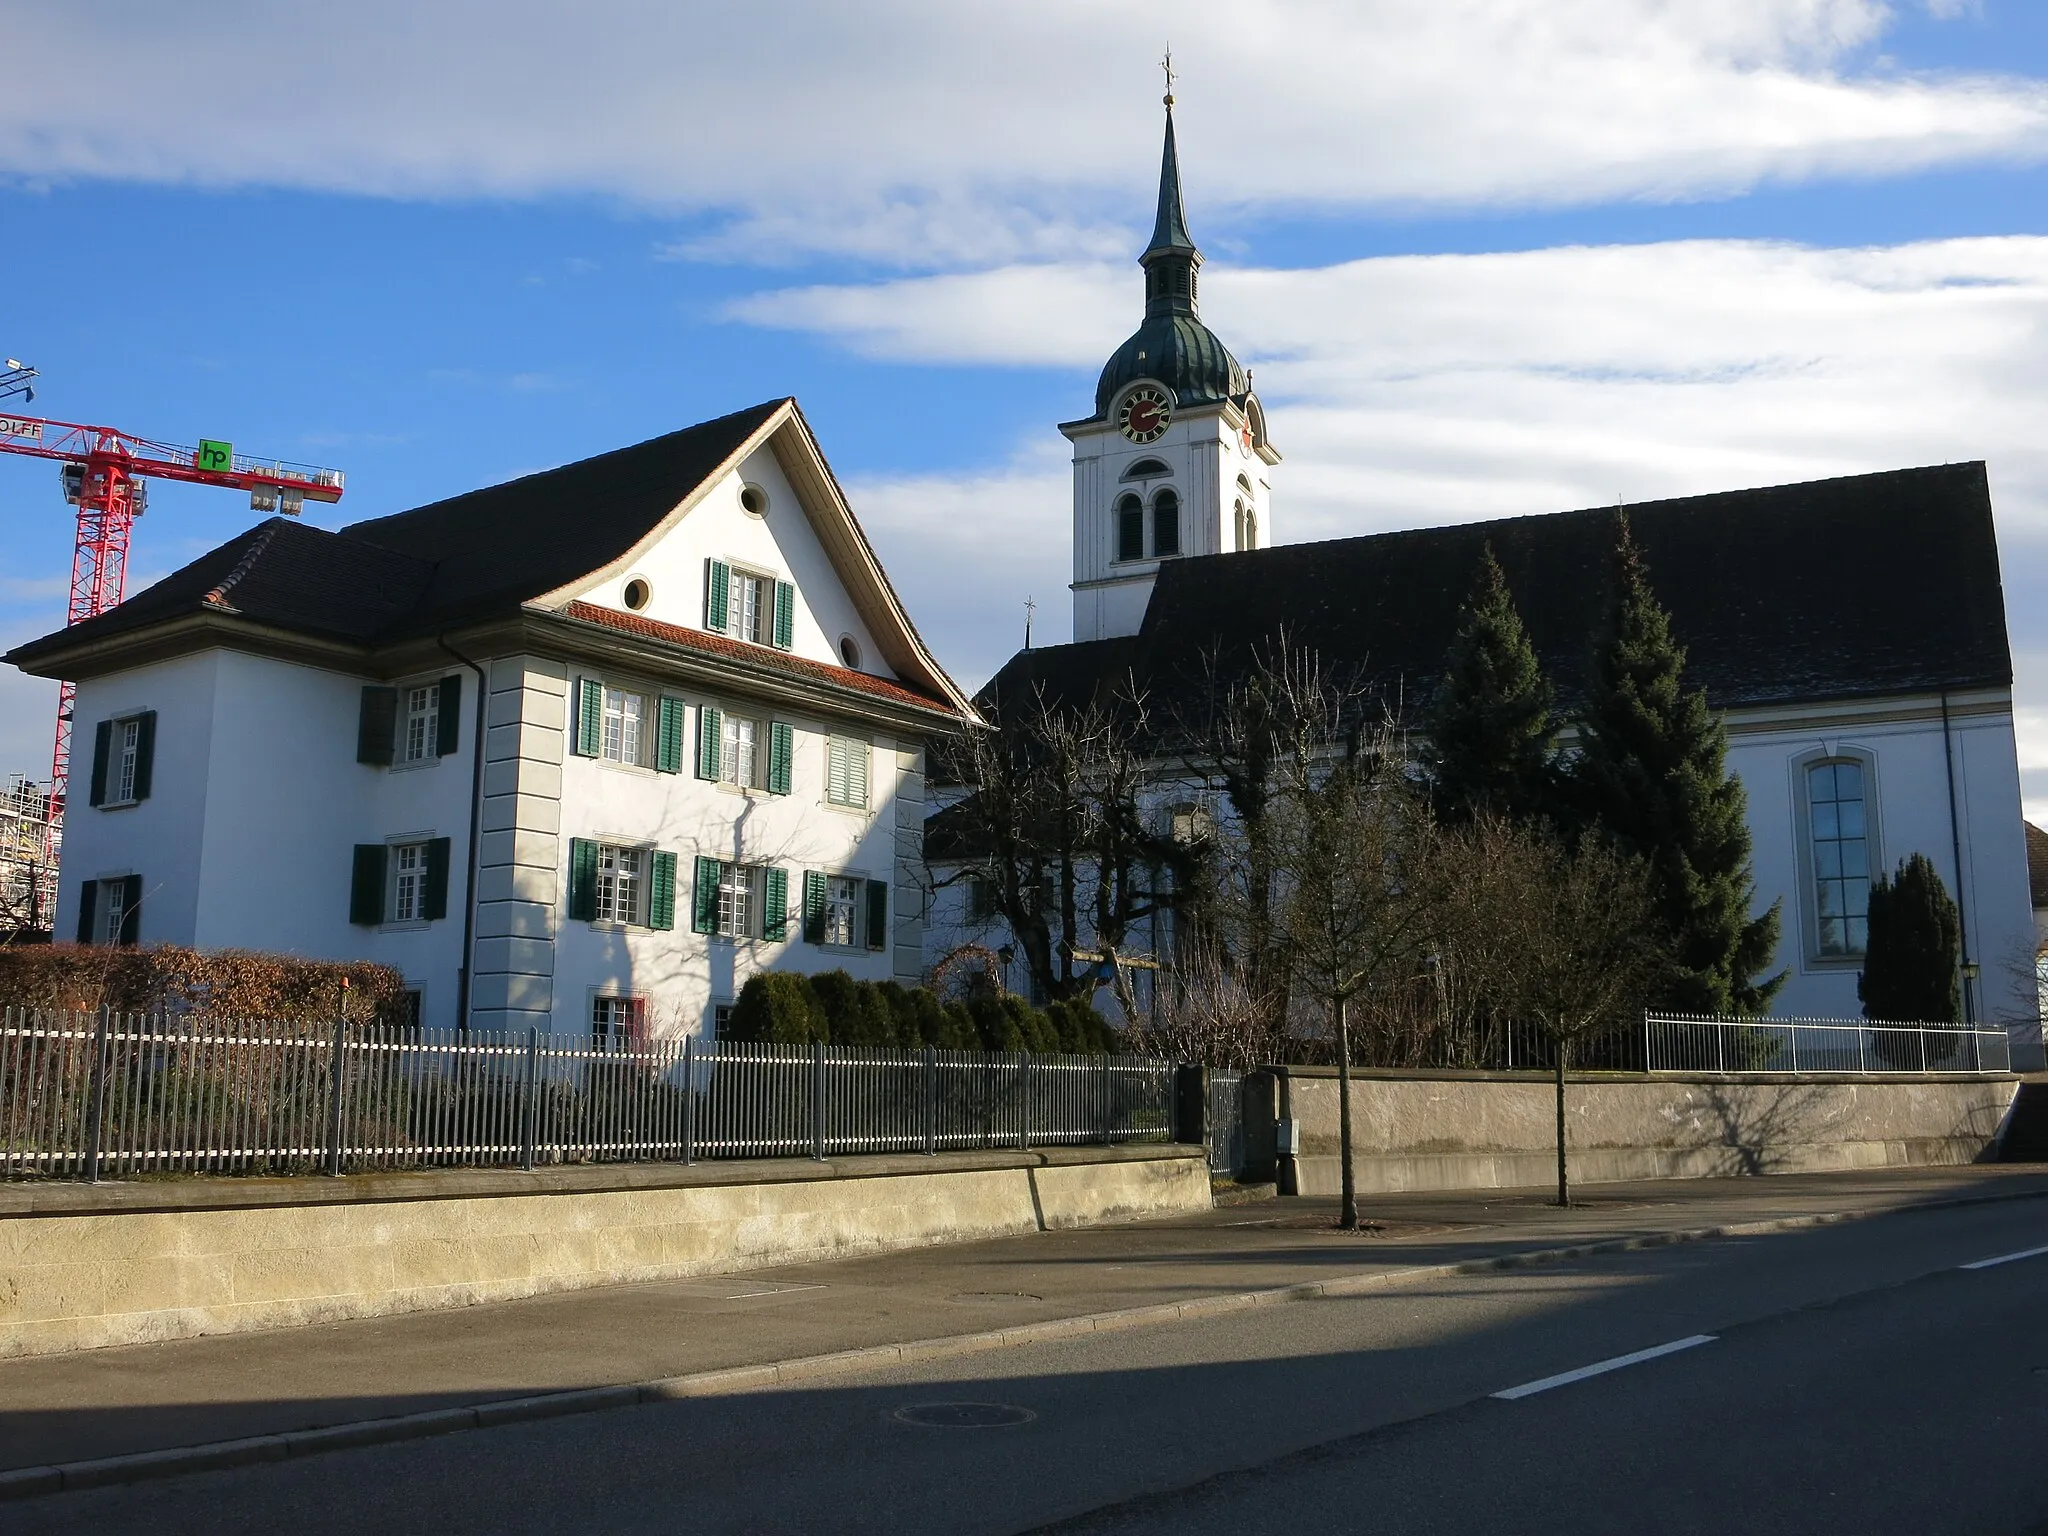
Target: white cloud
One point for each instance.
(941, 132)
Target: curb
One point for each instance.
(144, 1466)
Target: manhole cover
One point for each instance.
(993, 1298)
(964, 1415)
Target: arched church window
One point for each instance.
(1238, 522)
(1838, 837)
(1130, 529)
(1166, 524)
(1147, 469)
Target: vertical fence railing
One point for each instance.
(1683, 1043)
(111, 1095)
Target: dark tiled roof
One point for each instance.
(1871, 584)
(761, 656)
(446, 563)
(2037, 865)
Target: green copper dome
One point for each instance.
(1173, 346)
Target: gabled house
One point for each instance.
(582, 750)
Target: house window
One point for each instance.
(737, 901)
(844, 895)
(408, 899)
(1838, 832)
(981, 899)
(1166, 524)
(739, 752)
(721, 1016)
(127, 754)
(113, 913)
(616, 1021)
(422, 723)
(621, 882)
(846, 772)
(625, 726)
(1130, 529)
(746, 605)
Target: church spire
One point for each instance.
(1171, 259)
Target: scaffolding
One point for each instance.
(31, 837)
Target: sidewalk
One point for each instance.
(117, 1402)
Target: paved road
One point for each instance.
(1858, 1379)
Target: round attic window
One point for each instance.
(753, 501)
(637, 593)
(849, 651)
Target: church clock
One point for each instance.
(1145, 414)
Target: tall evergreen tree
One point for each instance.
(1653, 772)
(1911, 968)
(1489, 729)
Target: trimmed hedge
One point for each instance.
(786, 1008)
(233, 983)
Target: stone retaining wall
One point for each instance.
(1471, 1130)
(88, 1265)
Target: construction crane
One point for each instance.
(106, 473)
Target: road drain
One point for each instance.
(963, 1415)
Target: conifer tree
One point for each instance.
(1652, 771)
(1489, 728)
(1910, 970)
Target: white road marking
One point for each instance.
(2007, 1258)
(780, 1290)
(1565, 1379)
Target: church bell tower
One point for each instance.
(1175, 460)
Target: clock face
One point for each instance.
(1145, 414)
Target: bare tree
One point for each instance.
(1561, 935)
(1055, 822)
(1357, 862)
(1208, 1010)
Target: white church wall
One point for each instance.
(781, 543)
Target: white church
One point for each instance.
(585, 750)
(1852, 632)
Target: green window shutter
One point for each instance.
(88, 907)
(434, 900)
(835, 769)
(366, 886)
(589, 737)
(717, 582)
(448, 722)
(814, 906)
(377, 726)
(145, 752)
(785, 615)
(661, 892)
(704, 902)
(775, 904)
(582, 880)
(668, 736)
(709, 741)
(131, 910)
(878, 914)
(857, 774)
(102, 748)
(781, 746)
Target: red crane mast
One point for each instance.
(104, 472)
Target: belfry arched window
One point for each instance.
(1166, 524)
(1130, 528)
(1146, 469)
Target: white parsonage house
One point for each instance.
(580, 751)
(1852, 630)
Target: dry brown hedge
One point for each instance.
(238, 983)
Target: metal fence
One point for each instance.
(98, 1095)
(1677, 1043)
(1224, 1123)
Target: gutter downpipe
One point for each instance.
(1955, 837)
(476, 817)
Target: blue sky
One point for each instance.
(1484, 258)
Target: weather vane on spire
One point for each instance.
(1167, 65)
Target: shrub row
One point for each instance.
(83, 978)
(785, 1008)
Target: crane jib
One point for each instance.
(11, 426)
